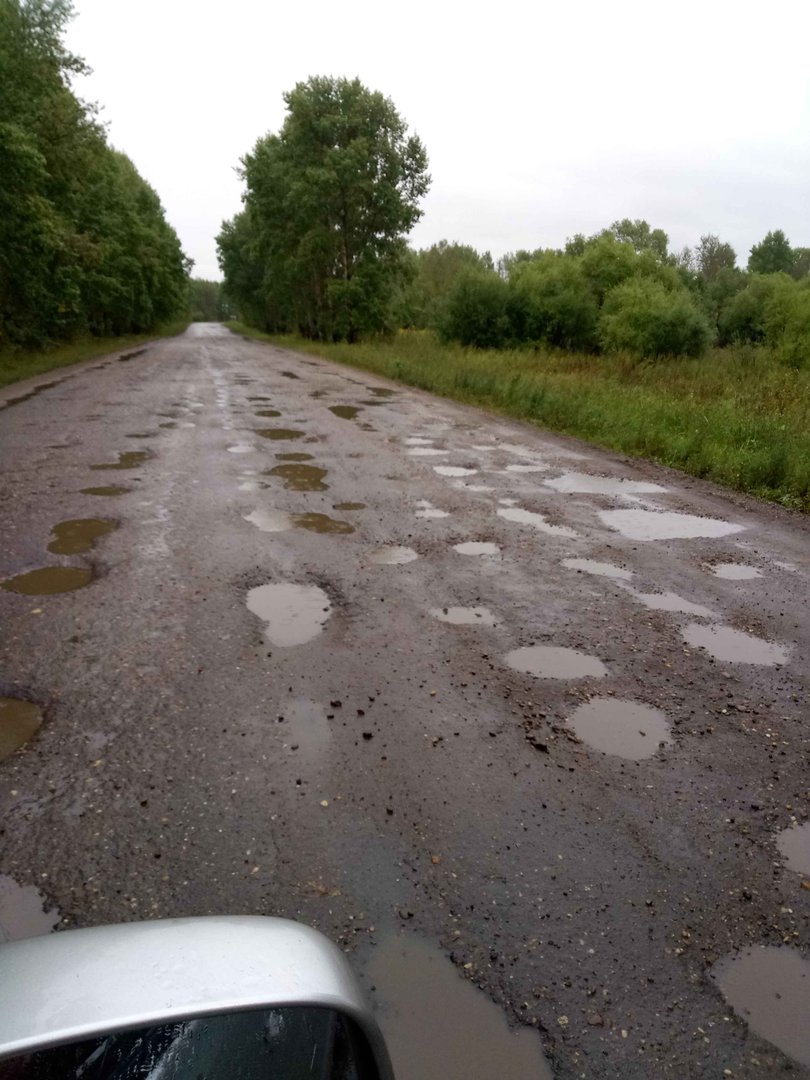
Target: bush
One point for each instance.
(793, 348)
(643, 317)
(477, 311)
(750, 315)
(552, 302)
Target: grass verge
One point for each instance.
(736, 416)
(20, 364)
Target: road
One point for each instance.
(287, 686)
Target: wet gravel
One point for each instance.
(392, 771)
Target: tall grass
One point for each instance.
(736, 416)
(19, 364)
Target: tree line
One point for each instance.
(320, 249)
(85, 247)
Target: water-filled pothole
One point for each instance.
(241, 448)
(305, 729)
(322, 523)
(381, 391)
(299, 477)
(168, 424)
(527, 468)
(537, 521)
(465, 616)
(259, 398)
(794, 847)
(670, 601)
(574, 483)
(554, 662)
(22, 912)
(665, 525)
(19, 721)
(345, 412)
(290, 375)
(624, 728)
(599, 569)
(769, 988)
(295, 456)
(292, 614)
(270, 521)
(454, 470)
(438, 1025)
(129, 459)
(734, 646)
(393, 556)
(350, 506)
(736, 571)
(108, 490)
(476, 547)
(49, 580)
(267, 412)
(280, 433)
(427, 510)
(142, 435)
(79, 535)
(429, 451)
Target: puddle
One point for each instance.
(345, 412)
(270, 520)
(19, 720)
(427, 510)
(22, 912)
(30, 393)
(322, 523)
(290, 375)
(599, 569)
(372, 403)
(473, 487)
(168, 424)
(292, 614)
(437, 1024)
(624, 728)
(49, 580)
(130, 355)
(769, 988)
(665, 525)
(381, 391)
(527, 468)
(427, 451)
(794, 847)
(241, 448)
(393, 556)
(350, 506)
(574, 483)
(453, 470)
(476, 547)
(300, 456)
(111, 489)
(260, 399)
(670, 601)
(142, 435)
(129, 459)
(465, 616)
(78, 536)
(267, 412)
(417, 440)
(537, 521)
(553, 662)
(298, 477)
(280, 433)
(734, 646)
(736, 571)
(305, 729)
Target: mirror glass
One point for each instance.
(267, 1044)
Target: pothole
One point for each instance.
(477, 547)
(305, 729)
(454, 470)
(465, 616)
(598, 569)
(437, 1024)
(19, 721)
(109, 490)
(295, 456)
(298, 477)
(574, 483)
(736, 571)
(290, 375)
(669, 601)
(270, 521)
(624, 728)
(79, 535)
(22, 912)
(349, 506)
(427, 510)
(554, 662)
(279, 434)
(733, 646)
(393, 556)
(381, 391)
(428, 451)
(769, 988)
(645, 525)
(527, 468)
(345, 412)
(322, 523)
(129, 459)
(794, 847)
(537, 521)
(241, 448)
(267, 412)
(49, 580)
(292, 614)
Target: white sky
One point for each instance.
(541, 119)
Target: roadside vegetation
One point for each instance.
(85, 249)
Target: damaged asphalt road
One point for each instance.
(304, 643)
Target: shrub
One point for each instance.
(745, 317)
(644, 317)
(476, 311)
(552, 302)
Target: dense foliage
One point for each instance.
(84, 244)
(319, 247)
(208, 302)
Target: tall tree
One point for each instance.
(773, 255)
(640, 236)
(330, 199)
(711, 256)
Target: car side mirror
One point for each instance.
(185, 999)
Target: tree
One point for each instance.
(801, 262)
(640, 236)
(644, 317)
(435, 271)
(552, 301)
(773, 255)
(711, 256)
(329, 201)
(477, 311)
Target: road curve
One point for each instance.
(290, 687)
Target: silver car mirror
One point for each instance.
(233, 997)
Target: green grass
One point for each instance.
(736, 416)
(20, 364)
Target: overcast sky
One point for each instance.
(541, 119)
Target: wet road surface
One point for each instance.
(455, 691)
